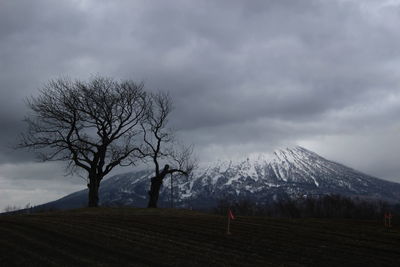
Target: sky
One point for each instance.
(246, 77)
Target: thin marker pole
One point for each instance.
(229, 215)
(228, 232)
(172, 193)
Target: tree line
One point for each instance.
(326, 206)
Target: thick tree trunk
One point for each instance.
(156, 183)
(94, 184)
(154, 192)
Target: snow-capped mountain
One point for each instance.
(291, 172)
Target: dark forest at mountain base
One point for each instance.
(327, 206)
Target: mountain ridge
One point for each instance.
(285, 173)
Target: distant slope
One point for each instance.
(286, 173)
(165, 237)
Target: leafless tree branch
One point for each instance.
(94, 125)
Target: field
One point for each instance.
(166, 237)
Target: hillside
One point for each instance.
(165, 237)
(286, 173)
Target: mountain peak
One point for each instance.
(285, 173)
(294, 149)
(265, 157)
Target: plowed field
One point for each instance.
(166, 237)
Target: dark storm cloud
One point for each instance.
(245, 75)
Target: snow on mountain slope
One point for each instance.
(291, 172)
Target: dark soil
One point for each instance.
(166, 237)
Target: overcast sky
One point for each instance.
(246, 76)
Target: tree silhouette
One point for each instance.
(161, 147)
(94, 126)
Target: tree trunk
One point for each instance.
(156, 183)
(154, 192)
(93, 186)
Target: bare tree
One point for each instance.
(11, 208)
(161, 147)
(94, 126)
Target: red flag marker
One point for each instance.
(230, 217)
(388, 219)
(230, 214)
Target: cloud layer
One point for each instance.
(246, 76)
